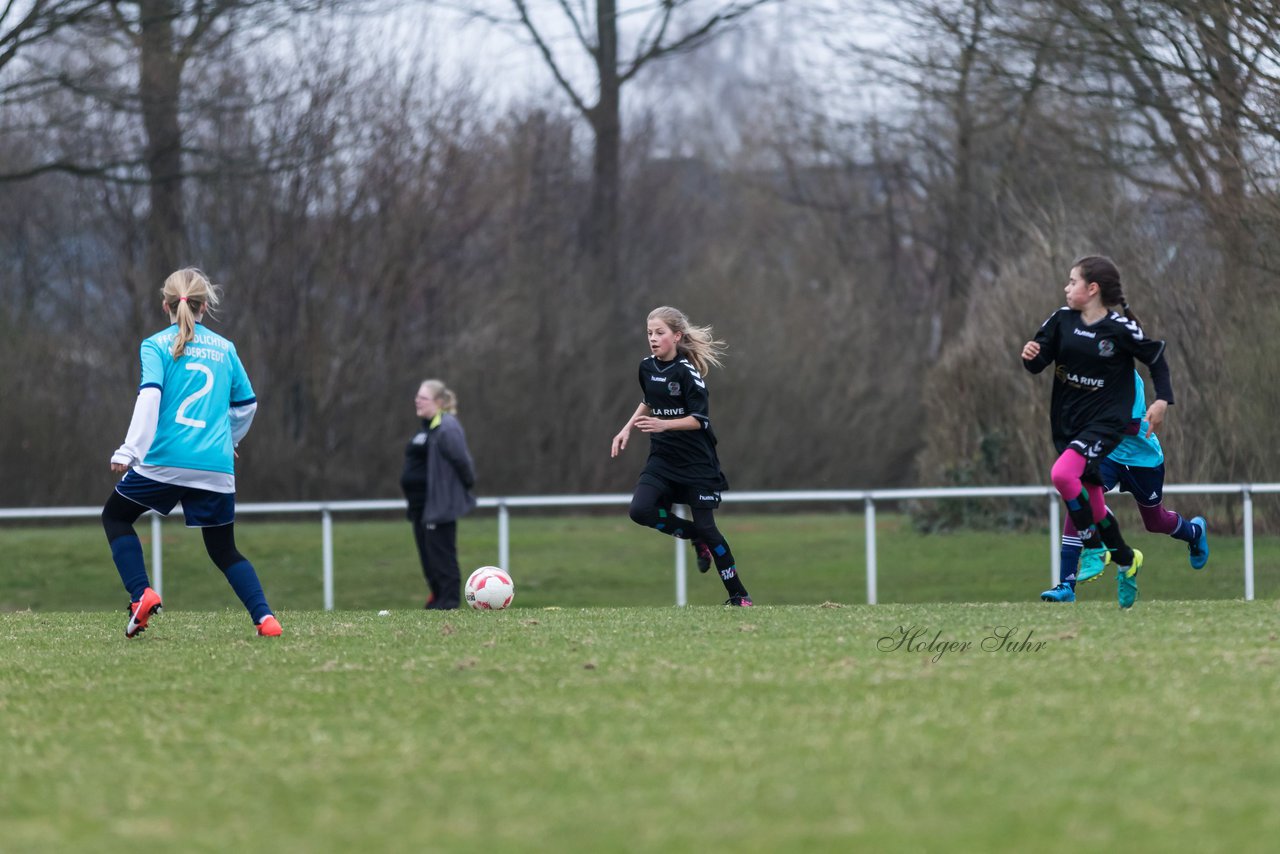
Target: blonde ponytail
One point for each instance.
(187, 292)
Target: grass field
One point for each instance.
(568, 725)
(783, 728)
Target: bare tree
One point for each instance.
(1195, 85)
(665, 28)
(24, 25)
(147, 47)
(960, 141)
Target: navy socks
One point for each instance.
(126, 552)
(1186, 531)
(244, 581)
(1070, 560)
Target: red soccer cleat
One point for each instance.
(270, 627)
(703, 552)
(140, 612)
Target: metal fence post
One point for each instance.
(871, 551)
(1055, 543)
(1248, 543)
(504, 536)
(326, 551)
(682, 563)
(157, 554)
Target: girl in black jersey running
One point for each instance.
(683, 467)
(1094, 349)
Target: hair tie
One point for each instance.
(1124, 304)
(182, 299)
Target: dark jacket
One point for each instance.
(450, 473)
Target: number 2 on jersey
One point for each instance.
(181, 417)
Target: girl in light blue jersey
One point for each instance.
(194, 406)
(1137, 467)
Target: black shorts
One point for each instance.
(1093, 443)
(681, 493)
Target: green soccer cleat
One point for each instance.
(1092, 564)
(1127, 581)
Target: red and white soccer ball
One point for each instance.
(489, 589)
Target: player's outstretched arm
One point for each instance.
(620, 440)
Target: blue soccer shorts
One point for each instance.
(202, 508)
(1146, 485)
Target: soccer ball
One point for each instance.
(489, 589)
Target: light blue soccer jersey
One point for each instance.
(1140, 451)
(197, 392)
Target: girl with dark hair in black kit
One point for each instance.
(1094, 347)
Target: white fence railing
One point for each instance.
(504, 505)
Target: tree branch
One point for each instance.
(690, 40)
(549, 58)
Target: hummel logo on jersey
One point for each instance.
(697, 377)
(1091, 451)
(652, 378)
(1124, 321)
(1085, 333)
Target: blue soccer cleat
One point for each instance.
(1127, 581)
(1061, 593)
(1198, 549)
(1092, 564)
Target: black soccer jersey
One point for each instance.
(673, 390)
(1093, 376)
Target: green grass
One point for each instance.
(569, 724)
(605, 561)
(645, 729)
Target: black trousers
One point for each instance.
(438, 551)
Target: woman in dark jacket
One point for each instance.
(437, 479)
